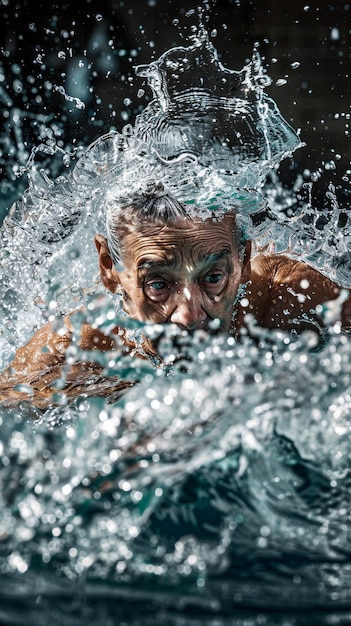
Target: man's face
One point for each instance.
(186, 273)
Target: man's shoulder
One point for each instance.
(269, 265)
(293, 291)
(279, 269)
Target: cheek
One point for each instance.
(142, 309)
(228, 300)
(157, 312)
(132, 295)
(224, 308)
(232, 289)
(224, 311)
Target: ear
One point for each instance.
(246, 269)
(108, 272)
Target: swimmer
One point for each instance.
(170, 266)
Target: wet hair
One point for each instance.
(152, 204)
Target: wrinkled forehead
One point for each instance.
(195, 237)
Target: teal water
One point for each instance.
(217, 494)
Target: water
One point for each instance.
(220, 489)
(216, 491)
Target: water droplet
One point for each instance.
(17, 86)
(66, 160)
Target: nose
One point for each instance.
(189, 312)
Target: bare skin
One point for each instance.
(187, 273)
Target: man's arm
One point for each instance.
(36, 372)
(40, 373)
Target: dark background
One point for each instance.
(90, 48)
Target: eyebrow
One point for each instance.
(214, 257)
(205, 259)
(150, 264)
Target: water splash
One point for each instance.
(320, 238)
(231, 463)
(209, 136)
(191, 474)
(221, 116)
(78, 103)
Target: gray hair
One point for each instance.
(152, 204)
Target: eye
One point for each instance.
(158, 285)
(156, 288)
(214, 282)
(213, 278)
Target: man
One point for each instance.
(170, 265)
